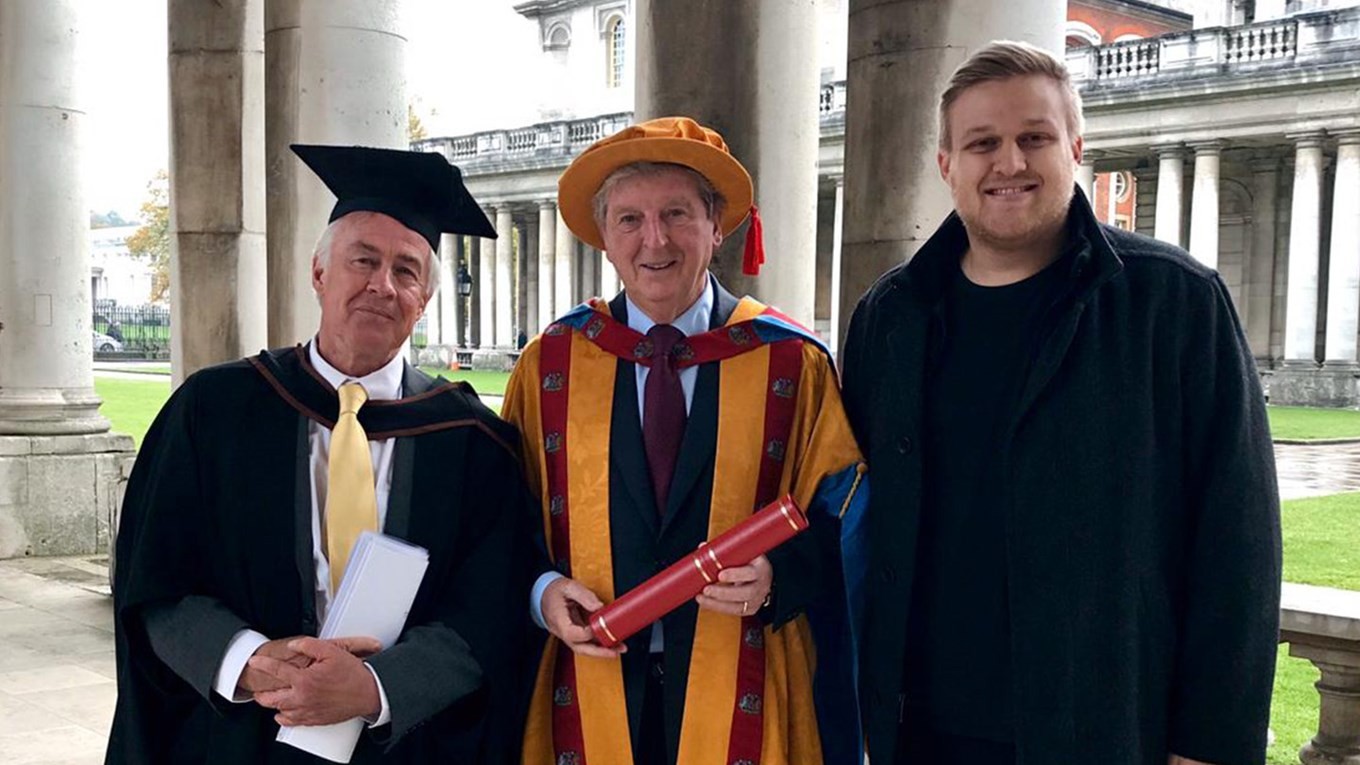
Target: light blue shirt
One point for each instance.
(693, 321)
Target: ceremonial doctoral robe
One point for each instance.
(216, 524)
(765, 420)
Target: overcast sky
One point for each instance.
(469, 67)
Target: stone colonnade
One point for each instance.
(533, 272)
(1279, 218)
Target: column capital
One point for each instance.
(1208, 148)
(1169, 150)
(1312, 139)
(547, 205)
(1347, 137)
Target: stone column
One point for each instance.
(547, 259)
(589, 273)
(450, 246)
(488, 296)
(476, 330)
(837, 268)
(46, 375)
(687, 53)
(505, 278)
(609, 278)
(900, 55)
(1343, 282)
(460, 312)
(533, 284)
(1170, 187)
(565, 273)
(217, 207)
(1086, 176)
(1300, 328)
(61, 472)
(1204, 203)
(335, 73)
(1261, 280)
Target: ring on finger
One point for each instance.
(744, 605)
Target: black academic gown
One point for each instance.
(216, 537)
(645, 542)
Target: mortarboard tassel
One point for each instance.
(754, 255)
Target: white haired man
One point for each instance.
(258, 476)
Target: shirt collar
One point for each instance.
(382, 384)
(694, 321)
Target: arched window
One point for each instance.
(559, 37)
(616, 52)
(1080, 34)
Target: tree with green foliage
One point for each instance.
(151, 242)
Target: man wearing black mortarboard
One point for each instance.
(255, 481)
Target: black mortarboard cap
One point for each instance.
(419, 188)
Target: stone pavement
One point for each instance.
(1312, 470)
(57, 686)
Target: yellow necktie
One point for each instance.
(351, 501)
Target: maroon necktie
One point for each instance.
(663, 412)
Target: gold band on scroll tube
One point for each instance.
(700, 566)
(784, 508)
(713, 557)
(605, 627)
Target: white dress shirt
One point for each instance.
(383, 384)
(693, 321)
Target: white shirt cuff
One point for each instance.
(243, 645)
(385, 714)
(536, 596)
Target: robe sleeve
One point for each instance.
(824, 450)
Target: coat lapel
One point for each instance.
(398, 523)
(302, 527)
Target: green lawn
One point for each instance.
(485, 383)
(131, 405)
(1301, 422)
(1321, 544)
(1321, 539)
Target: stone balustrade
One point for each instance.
(1216, 52)
(1306, 39)
(1322, 625)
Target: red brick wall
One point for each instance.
(1112, 24)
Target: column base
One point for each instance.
(1307, 384)
(50, 411)
(495, 359)
(60, 495)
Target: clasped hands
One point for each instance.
(567, 604)
(309, 681)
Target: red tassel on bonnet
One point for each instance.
(754, 255)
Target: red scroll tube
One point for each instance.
(683, 580)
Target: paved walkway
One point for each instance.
(57, 686)
(1307, 470)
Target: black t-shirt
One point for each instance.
(958, 665)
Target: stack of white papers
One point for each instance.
(375, 597)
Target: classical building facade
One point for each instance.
(1240, 143)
